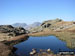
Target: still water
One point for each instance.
(44, 42)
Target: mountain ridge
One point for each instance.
(26, 26)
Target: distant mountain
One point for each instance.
(19, 25)
(24, 25)
(35, 24)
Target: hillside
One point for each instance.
(54, 25)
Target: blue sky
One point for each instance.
(29, 11)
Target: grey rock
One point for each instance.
(7, 31)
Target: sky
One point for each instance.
(29, 11)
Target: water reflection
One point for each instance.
(45, 42)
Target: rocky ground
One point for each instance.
(6, 50)
(10, 36)
(6, 47)
(48, 52)
(7, 32)
(55, 25)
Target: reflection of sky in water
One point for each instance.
(41, 43)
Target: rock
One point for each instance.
(48, 23)
(6, 50)
(20, 30)
(48, 50)
(31, 53)
(8, 31)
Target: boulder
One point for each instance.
(8, 31)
